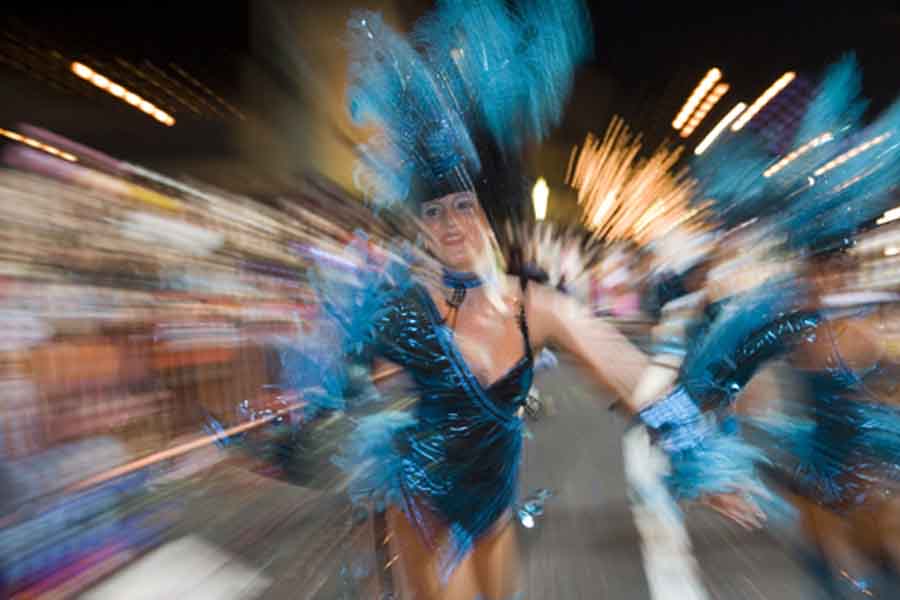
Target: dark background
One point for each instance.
(275, 73)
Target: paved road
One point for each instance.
(588, 545)
(585, 546)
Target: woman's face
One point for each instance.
(459, 230)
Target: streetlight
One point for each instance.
(539, 196)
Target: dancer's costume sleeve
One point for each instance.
(692, 423)
(748, 331)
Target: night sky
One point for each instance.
(659, 58)
(647, 61)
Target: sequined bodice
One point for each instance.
(462, 457)
(410, 333)
(848, 437)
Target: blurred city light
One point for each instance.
(539, 196)
(623, 197)
(719, 128)
(838, 161)
(705, 85)
(891, 215)
(703, 109)
(114, 89)
(29, 141)
(795, 154)
(773, 90)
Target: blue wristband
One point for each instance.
(676, 422)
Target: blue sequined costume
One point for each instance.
(457, 457)
(844, 441)
(454, 104)
(838, 448)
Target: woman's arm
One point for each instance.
(718, 473)
(560, 321)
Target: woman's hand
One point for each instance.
(737, 507)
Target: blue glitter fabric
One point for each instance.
(843, 444)
(459, 457)
(452, 461)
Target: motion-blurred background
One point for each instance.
(169, 172)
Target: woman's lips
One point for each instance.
(453, 239)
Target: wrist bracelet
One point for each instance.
(675, 422)
(674, 409)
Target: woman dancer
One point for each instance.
(466, 340)
(839, 458)
(839, 465)
(835, 461)
(468, 344)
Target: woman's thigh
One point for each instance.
(497, 564)
(417, 567)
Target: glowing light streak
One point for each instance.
(891, 215)
(795, 154)
(838, 161)
(706, 84)
(719, 128)
(623, 196)
(772, 91)
(539, 196)
(118, 91)
(29, 141)
(704, 108)
(171, 453)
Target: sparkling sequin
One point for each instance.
(461, 458)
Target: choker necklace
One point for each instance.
(461, 280)
(458, 283)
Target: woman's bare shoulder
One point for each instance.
(546, 309)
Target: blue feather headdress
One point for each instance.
(848, 183)
(730, 178)
(455, 102)
(510, 71)
(421, 135)
(837, 178)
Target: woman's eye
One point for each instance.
(432, 212)
(465, 205)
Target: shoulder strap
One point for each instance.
(523, 320)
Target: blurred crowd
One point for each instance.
(141, 320)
